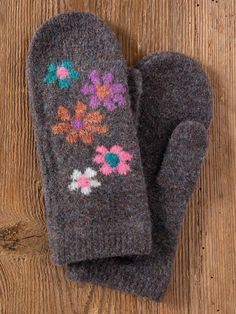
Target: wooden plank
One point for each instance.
(203, 279)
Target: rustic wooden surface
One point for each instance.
(204, 278)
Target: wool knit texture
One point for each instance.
(86, 140)
(173, 114)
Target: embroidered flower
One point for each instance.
(81, 126)
(103, 91)
(62, 72)
(113, 160)
(84, 181)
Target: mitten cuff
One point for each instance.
(93, 243)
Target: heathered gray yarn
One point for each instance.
(111, 220)
(174, 113)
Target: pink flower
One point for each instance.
(104, 91)
(113, 160)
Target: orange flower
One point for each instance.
(80, 127)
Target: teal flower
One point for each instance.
(62, 72)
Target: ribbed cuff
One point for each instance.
(139, 285)
(79, 245)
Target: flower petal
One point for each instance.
(65, 83)
(95, 183)
(117, 88)
(116, 149)
(94, 77)
(89, 172)
(73, 186)
(73, 74)
(123, 168)
(94, 102)
(109, 104)
(88, 89)
(67, 64)
(80, 109)
(94, 117)
(107, 78)
(72, 137)
(106, 169)
(125, 156)
(50, 78)
(52, 68)
(85, 136)
(102, 149)
(63, 113)
(119, 99)
(76, 174)
(99, 159)
(86, 191)
(61, 128)
(100, 129)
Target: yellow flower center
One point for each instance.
(103, 91)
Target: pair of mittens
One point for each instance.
(170, 112)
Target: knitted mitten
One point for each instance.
(174, 113)
(94, 186)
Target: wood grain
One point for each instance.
(204, 274)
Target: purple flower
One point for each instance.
(104, 91)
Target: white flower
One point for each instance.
(85, 181)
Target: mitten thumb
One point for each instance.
(178, 174)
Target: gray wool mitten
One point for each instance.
(174, 113)
(87, 142)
